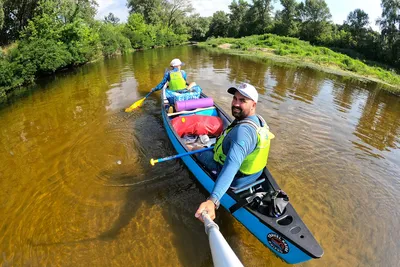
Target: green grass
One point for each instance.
(299, 52)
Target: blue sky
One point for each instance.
(339, 8)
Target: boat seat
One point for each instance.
(244, 188)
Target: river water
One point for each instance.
(77, 188)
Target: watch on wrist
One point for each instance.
(215, 201)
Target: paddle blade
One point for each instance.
(135, 105)
(271, 136)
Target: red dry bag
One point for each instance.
(198, 125)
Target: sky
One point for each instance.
(339, 8)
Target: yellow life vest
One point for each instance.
(256, 160)
(176, 82)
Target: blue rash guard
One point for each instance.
(166, 78)
(237, 145)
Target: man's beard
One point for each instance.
(237, 113)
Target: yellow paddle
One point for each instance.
(271, 135)
(138, 103)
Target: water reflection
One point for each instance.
(379, 124)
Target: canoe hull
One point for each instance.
(268, 230)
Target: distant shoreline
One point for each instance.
(331, 62)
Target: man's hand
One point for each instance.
(207, 206)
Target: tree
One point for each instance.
(218, 26)
(1, 15)
(287, 19)
(52, 22)
(112, 40)
(149, 9)
(356, 24)
(140, 34)
(175, 11)
(169, 13)
(71, 10)
(357, 20)
(16, 14)
(315, 16)
(198, 27)
(238, 11)
(111, 19)
(390, 26)
(258, 18)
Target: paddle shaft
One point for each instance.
(154, 161)
(222, 253)
(149, 93)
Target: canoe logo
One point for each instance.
(278, 243)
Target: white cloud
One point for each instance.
(207, 8)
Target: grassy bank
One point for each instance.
(295, 51)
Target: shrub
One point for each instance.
(43, 56)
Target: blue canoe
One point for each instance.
(287, 236)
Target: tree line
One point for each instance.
(42, 36)
(311, 21)
(39, 37)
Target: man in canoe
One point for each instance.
(240, 153)
(176, 79)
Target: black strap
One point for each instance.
(241, 203)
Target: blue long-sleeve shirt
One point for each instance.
(237, 145)
(167, 78)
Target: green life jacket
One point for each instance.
(176, 82)
(256, 160)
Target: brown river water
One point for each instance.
(77, 188)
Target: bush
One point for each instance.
(112, 40)
(44, 56)
(6, 73)
(82, 42)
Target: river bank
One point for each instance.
(296, 52)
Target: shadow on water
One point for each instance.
(170, 187)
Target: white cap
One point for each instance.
(176, 62)
(246, 90)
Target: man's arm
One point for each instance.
(240, 144)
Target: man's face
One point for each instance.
(242, 106)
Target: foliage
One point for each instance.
(111, 19)
(357, 20)
(237, 13)
(1, 14)
(41, 56)
(169, 13)
(112, 40)
(58, 36)
(390, 25)
(70, 11)
(314, 15)
(198, 27)
(50, 35)
(175, 12)
(258, 18)
(218, 25)
(149, 9)
(287, 22)
(301, 51)
(83, 43)
(142, 35)
(16, 16)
